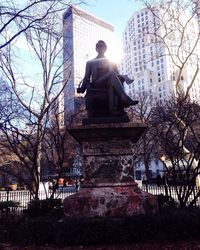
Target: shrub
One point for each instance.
(166, 203)
(48, 207)
(35, 231)
(175, 225)
(8, 206)
(9, 223)
(171, 225)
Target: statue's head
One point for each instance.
(101, 46)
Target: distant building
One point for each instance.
(155, 65)
(56, 112)
(81, 31)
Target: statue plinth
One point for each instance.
(106, 132)
(108, 188)
(105, 120)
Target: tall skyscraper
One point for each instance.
(81, 31)
(161, 52)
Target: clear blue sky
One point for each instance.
(116, 12)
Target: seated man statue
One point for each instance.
(103, 81)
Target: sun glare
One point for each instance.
(115, 53)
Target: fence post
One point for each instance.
(166, 190)
(7, 194)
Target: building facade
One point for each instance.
(161, 52)
(81, 31)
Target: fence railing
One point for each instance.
(171, 191)
(23, 197)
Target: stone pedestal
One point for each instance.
(108, 188)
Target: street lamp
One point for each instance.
(163, 158)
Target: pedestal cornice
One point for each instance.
(107, 132)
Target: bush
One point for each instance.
(9, 223)
(48, 207)
(8, 206)
(166, 202)
(174, 225)
(171, 225)
(36, 231)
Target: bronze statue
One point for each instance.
(105, 93)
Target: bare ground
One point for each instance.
(193, 245)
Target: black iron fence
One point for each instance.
(170, 191)
(23, 197)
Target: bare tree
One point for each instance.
(176, 128)
(145, 150)
(25, 134)
(9, 107)
(174, 27)
(16, 18)
(59, 149)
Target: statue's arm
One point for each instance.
(86, 79)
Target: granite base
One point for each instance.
(113, 200)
